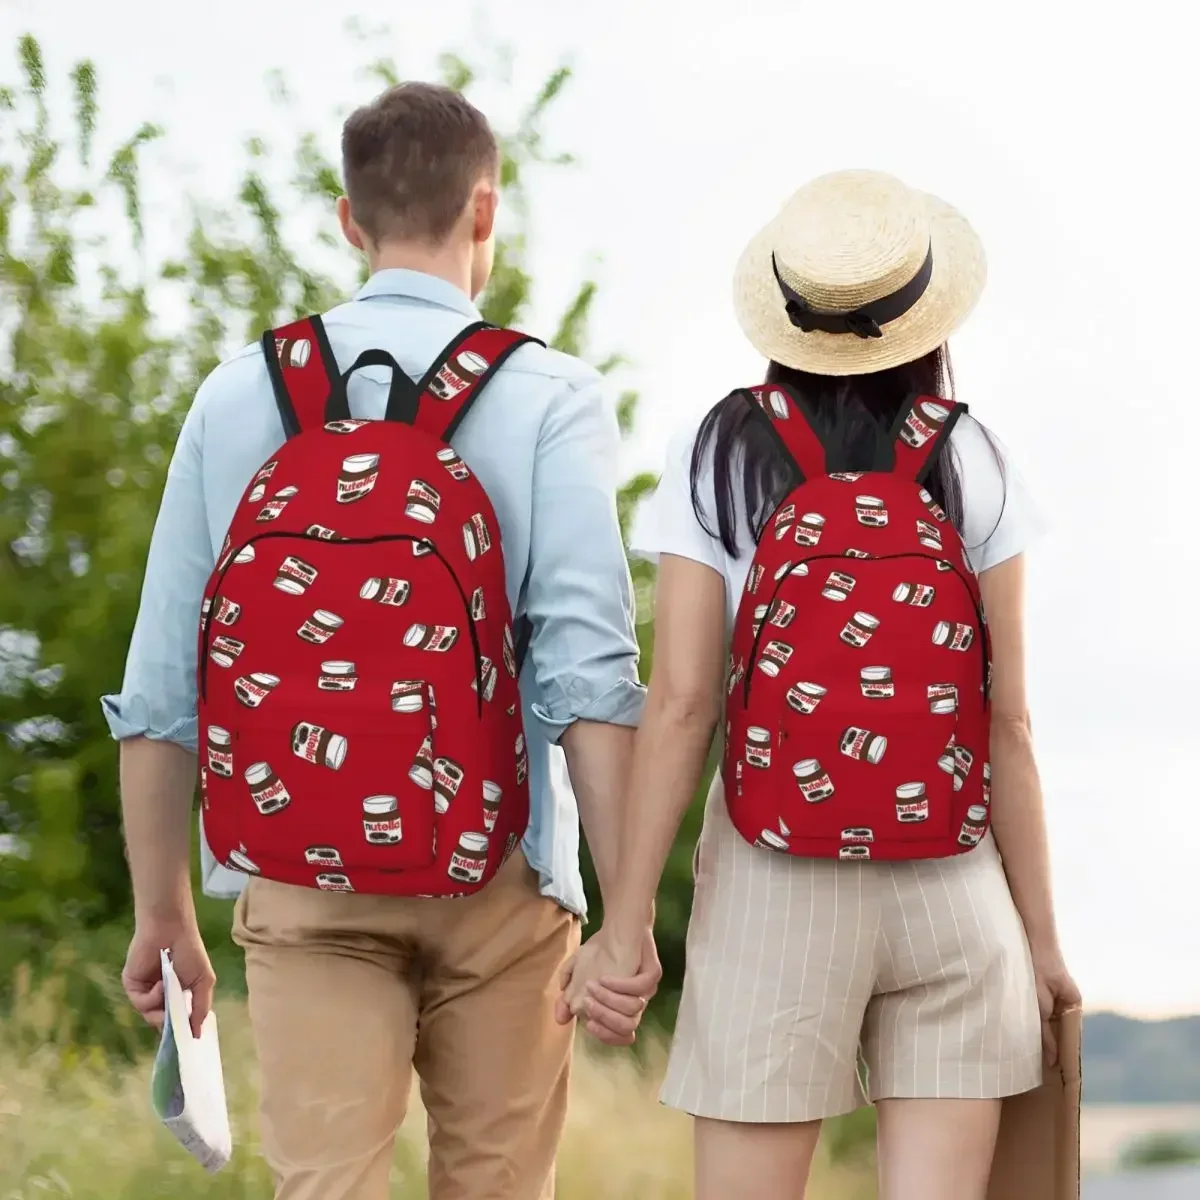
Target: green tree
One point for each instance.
(93, 386)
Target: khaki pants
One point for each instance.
(348, 993)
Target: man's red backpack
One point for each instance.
(858, 707)
(360, 723)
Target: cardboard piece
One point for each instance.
(1037, 1151)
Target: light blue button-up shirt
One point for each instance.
(542, 439)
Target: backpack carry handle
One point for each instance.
(922, 429)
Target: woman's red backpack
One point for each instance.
(359, 717)
(858, 707)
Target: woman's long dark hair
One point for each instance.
(853, 412)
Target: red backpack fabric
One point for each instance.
(360, 723)
(858, 709)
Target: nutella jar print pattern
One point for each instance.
(357, 478)
(266, 789)
(758, 746)
(522, 758)
(846, 476)
(854, 852)
(935, 509)
(492, 795)
(435, 638)
(239, 860)
(389, 591)
(447, 779)
(971, 833)
(421, 547)
(337, 676)
(760, 615)
(876, 683)
(258, 485)
(318, 745)
(320, 627)
(943, 698)
(859, 834)
(776, 401)
(478, 605)
(244, 555)
(928, 535)
(477, 538)
(963, 758)
(423, 503)
(945, 760)
(809, 529)
(919, 595)
(273, 509)
(450, 460)
(334, 881)
(294, 576)
(799, 570)
(923, 423)
(252, 690)
(220, 751)
(754, 577)
(381, 820)
(953, 635)
(469, 860)
(870, 511)
(509, 652)
(775, 656)
(785, 519)
(323, 533)
(488, 676)
(781, 614)
(863, 745)
(421, 771)
(813, 780)
(838, 586)
(227, 612)
(987, 783)
(323, 856)
(408, 696)
(770, 840)
(805, 697)
(912, 804)
(345, 426)
(458, 374)
(224, 650)
(851, 552)
(859, 630)
(292, 352)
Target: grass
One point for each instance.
(77, 1124)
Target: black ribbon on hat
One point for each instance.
(864, 321)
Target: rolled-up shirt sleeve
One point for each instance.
(579, 596)
(158, 695)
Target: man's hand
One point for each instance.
(142, 976)
(609, 988)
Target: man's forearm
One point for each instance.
(598, 758)
(157, 785)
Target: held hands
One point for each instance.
(1056, 992)
(142, 976)
(607, 987)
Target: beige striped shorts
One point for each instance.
(814, 985)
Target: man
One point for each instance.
(349, 992)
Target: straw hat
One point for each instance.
(858, 273)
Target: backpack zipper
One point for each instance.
(982, 631)
(344, 541)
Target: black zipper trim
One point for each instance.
(345, 541)
(850, 558)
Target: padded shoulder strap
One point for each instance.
(304, 376)
(460, 373)
(921, 431)
(787, 416)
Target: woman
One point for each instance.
(930, 973)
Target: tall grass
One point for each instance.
(77, 1124)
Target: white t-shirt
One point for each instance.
(1000, 519)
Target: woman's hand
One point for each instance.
(1056, 992)
(607, 986)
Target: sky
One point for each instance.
(1066, 138)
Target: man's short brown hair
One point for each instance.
(410, 160)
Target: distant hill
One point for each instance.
(1126, 1061)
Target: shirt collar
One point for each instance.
(416, 285)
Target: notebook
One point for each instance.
(187, 1087)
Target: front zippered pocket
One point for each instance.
(850, 561)
(219, 607)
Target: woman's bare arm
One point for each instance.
(1018, 817)
(683, 706)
